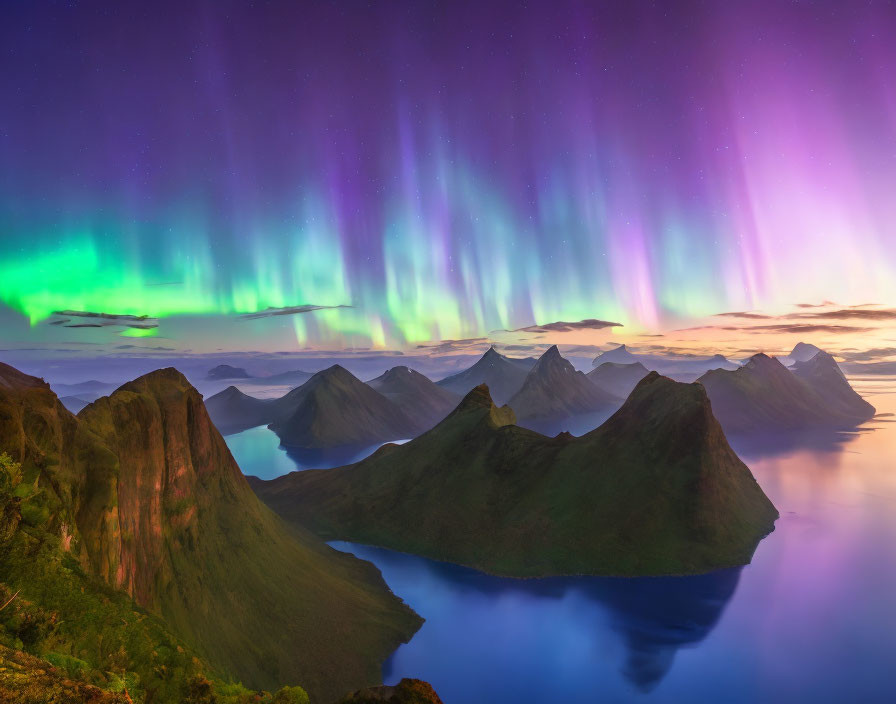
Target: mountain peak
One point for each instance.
(336, 372)
(804, 351)
(158, 380)
(479, 399)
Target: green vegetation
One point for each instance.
(655, 490)
(134, 558)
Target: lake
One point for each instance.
(811, 619)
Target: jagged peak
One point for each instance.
(760, 360)
(492, 353)
(478, 399)
(801, 347)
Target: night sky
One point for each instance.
(446, 169)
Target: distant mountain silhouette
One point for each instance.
(334, 408)
(225, 371)
(617, 379)
(680, 367)
(295, 377)
(618, 355)
(421, 399)
(503, 375)
(764, 396)
(555, 390)
(76, 403)
(655, 490)
(803, 352)
(823, 374)
(232, 411)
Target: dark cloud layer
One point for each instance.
(748, 316)
(89, 319)
(288, 310)
(859, 313)
(564, 326)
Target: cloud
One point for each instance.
(823, 304)
(872, 355)
(270, 311)
(856, 313)
(142, 348)
(801, 328)
(748, 316)
(563, 326)
(445, 346)
(89, 319)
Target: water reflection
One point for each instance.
(652, 617)
(259, 453)
(658, 616)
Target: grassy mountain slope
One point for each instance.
(138, 549)
(655, 490)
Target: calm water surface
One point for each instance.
(812, 619)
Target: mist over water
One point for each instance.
(811, 619)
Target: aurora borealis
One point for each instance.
(445, 169)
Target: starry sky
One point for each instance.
(391, 174)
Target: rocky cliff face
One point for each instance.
(147, 497)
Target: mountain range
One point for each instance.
(226, 371)
(654, 490)
(554, 390)
(504, 376)
(765, 396)
(421, 399)
(336, 409)
(616, 378)
(680, 367)
(131, 534)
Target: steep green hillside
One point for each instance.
(655, 490)
(138, 500)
